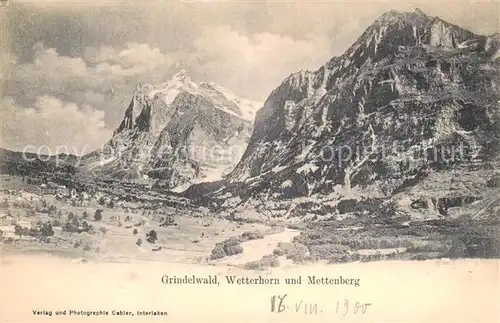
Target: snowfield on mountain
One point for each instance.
(177, 133)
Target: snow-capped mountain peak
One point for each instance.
(181, 75)
(182, 82)
(168, 125)
(169, 90)
(247, 108)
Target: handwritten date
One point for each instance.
(280, 304)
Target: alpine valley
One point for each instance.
(388, 151)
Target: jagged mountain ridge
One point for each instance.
(411, 80)
(172, 132)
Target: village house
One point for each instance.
(54, 189)
(48, 189)
(62, 190)
(5, 219)
(25, 224)
(8, 231)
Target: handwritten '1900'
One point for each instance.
(278, 305)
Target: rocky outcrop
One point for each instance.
(177, 133)
(413, 96)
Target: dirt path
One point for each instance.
(256, 249)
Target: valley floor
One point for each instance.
(93, 264)
(196, 236)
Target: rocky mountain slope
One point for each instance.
(177, 133)
(26, 164)
(408, 115)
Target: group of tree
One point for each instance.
(167, 221)
(151, 237)
(75, 225)
(102, 201)
(42, 230)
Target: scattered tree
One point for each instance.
(135, 231)
(86, 227)
(139, 242)
(85, 214)
(167, 221)
(46, 230)
(151, 236)
(20, 231)
(98, 215)
(71, 226)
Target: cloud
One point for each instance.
(52, 125)
(258, 62)
(94, 55)
(97, 67)
(103, 78)
(134, 60)
(59, 89)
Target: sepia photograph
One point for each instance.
(259, 161)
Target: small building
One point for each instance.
(47, 190)
(25, 224)
(8, 231)
(54, 189)
(5, 219)
(61, 189)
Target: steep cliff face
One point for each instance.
(413, 99)
(177, 133)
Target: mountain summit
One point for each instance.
(386, 119)
(177, 132)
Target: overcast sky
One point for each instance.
(69, 69)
